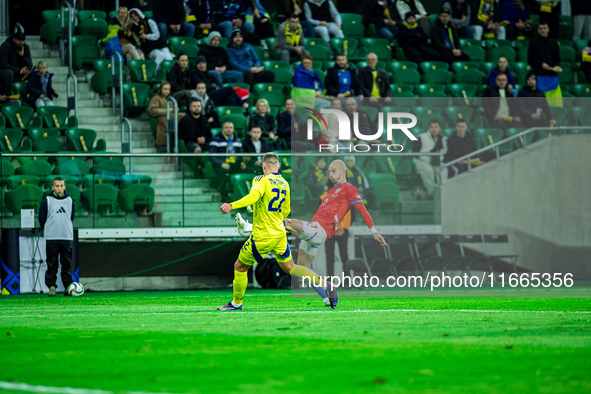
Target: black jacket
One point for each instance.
(543, 50)
(215, 56)
(491, 104)
(438, 33)
(374, 13)
(203, 76)
(458, 147)
(412, 37)
(266, 123)
(532, 100)
(11, 60)
(366, 82)
(171, 12)
(35, 88)
(248, 146)
(180, 80)
(331, 81)
(580, 7)
(190, 129)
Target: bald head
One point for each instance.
(337, 172)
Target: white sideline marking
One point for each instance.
(297, 312)
(61, 390)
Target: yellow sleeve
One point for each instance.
(286, 208)
(256, 191)
(586, 56)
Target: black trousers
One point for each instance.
(342, 240)
(64, 252)
(420, 54)
(266, 76)
(6, 77)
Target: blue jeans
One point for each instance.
(388, 32)
(187, 30)
(228, 76)
(226, 28)
(308, 30)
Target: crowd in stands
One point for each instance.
(311, 38)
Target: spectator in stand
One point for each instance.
(428, 166)
(533, 104)
(502, 66)
(417, 9)
(318, 177)
(341, 80)
(226, 142)
(218, 63)
(242, 57)
(501, 114)
(220, 95)
(290, 39)
(324, 17)
(287, 8)
(194, 130)
(445, 39)
(207, 105)
(581, 10)
(151, 42)
(414, 41)
(459, 144)
(549, 12)
(284, 122)
(170, 16)
(515, 14)
(263, 27)
(180, 80)
(374, 82)
(39, 87)
(230, 15)
(305, 77)
(461, 17)
(384, 15)
(124, 23)
(157, 109)
(544, 58)
(254, 144)
(263, 119)
(15, 62)
(200, 13)
(586, 61)
(487, 20)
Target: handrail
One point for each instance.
(117, 82)
(72, 101)
(66, 4)
(175, 128)
(496, 145)
(126, 147)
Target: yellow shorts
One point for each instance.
(254, 252)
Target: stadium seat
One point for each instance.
(20, 89)
(38, 168)
(408, 77)
(241, 184)
(463, 90)
(386, 194)
(74, 168)
(135, 96)
(10, 140)
(48, 144)
(312, 42)
(132, 179)
(273, 64)
(396, 66)
(426, 90)
(521, 70)
(260, 51)
(454, 113)
(24, 197)
(68, 179)
(57, 117)
(185, 45)
(91, 179)
(239, 122)
(21, 117)
(259, 88)
(226, 110)
(34, 134)
(347, 45)
(401, 88)
(565, 29)
(460, 66)
(16, 181)
(476, 53)
(470, 42)
(379, 46)
(567, 54)
(427, 66)
(319, 53)
(82, 140)
(84, 51)
(102, 79)
(582, 90)
(283, 76)
(51, 31)
(471, 76)
(487, 136)
(95, 27)
(137, 196)
(522, 48)
(275, 99)
(111, 167)
(101, 197)
(6, 170)
(437, 76)
(144, 71)
(448, 131)
(493, 54)
(83, 15)
(543, 134)
(494, 43)
(518, 142)
(273, 55)
(352, 25)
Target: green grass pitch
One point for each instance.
(176, 342)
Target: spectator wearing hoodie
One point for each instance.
(242, 57)
(218, 63)
(39, 87)
(445, 39)
(170, 15)
(220, 95)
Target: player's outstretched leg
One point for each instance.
(321, 288)
(239, 287)
(243, 225)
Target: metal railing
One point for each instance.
(72, 100)
(496, 145)
(117, 83)
(172, 126)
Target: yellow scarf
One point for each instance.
(409, 26)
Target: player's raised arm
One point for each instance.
(256, 191)
(360, 206)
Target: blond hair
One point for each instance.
(271, 159)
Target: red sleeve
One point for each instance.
(357, 202)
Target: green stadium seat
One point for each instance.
(312, 42)
(137, 196)
(347, 45)
(35, 134)
(565, 29)
(102, 80)
(132, 179)
(20, 88)
(428, 66)
(21, 117)
(10, 140)
(74, 168)
(38, 168)
(426, 90)
(82, 140)
(518, 142)
(6, 170)
(379, 46)
(493, 54)
(522, 48)
(57, 117)
(68, 179)
(437, 76)
(493, 43)
(48, 144)
(319, 53)
(144, 71)
(386, 194)
(226, 110)
(521, 70)
(582, 90)
(463, 90)
(397, 66)
(396, 88)
(241, 184)
(84, 51)
(273, 55)
(567, 54)
(260, 51)
(24, 197)
(487, 136)
(455, 113)
(52, 14)
(275, 99)
(470, 42)
(185, 45)
(408, 77)
(476, 53)
(51, 31)
(352, 25)
(580, 44)
(461, 66)
(135, 96)
(111, 167)
(283, 76)
(95, 27)
(448, 131)
(543, 134)
(91, 179)
(469, 76)
(273, 64)
(239, 122)
(16, 181)
(259, 88)
(83, 15)
(101, 197)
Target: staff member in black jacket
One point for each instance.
(55, 218)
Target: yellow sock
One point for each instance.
(239, 284)
(300, 271)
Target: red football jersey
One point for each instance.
(334, 207)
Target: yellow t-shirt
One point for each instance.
(375, 91)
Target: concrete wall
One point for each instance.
(540, 196)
